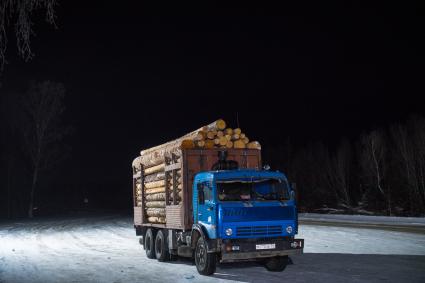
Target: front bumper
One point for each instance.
(247, 249)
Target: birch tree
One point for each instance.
(373, 164)
(408, 155)
(338, 173)
(42, 130)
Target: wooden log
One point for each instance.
(235, 137)
(154, 169)
(153, 204)
(155, 190)
(242, 136)
(217, 141)
(155, 184)
(254, 145)
(219, 125)
(186, 144)
(155, 212)
(245, 140)
(201, 135)
(155, 177)
(228, 137)
(161, 183)
(220, 134)
(158, 157)
(211, 134)
(161, 189)
(136, 164)
(239, 144)
(155, 155)
(161, 196)
(229, 144)
(209, 144)
(237, 131)
(223, 141)
(200, 144)
(154, 219)
(228, 131)
(154, 197)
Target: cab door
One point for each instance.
(207, 211)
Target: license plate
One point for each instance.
(265, 247)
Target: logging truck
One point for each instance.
(213, 204)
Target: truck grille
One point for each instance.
(258, 230)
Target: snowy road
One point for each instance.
(105, 249)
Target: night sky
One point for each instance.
(135, 80)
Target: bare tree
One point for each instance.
(338, 173)
(18, 13)
(373, 163)
(410, 160)
(42, 130)
(417, 125)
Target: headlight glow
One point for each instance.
(289, 229)
(229, 231)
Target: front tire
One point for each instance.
(161, 246)
(150, 243)
(205, 262)
(276, 264)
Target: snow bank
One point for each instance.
(364, 219)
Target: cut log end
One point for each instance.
(239, 144)
(221, 125)
(254, 145)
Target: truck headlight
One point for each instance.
(289, 229)
(229, 231)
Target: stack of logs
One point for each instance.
(159, 184)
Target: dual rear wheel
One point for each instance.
(156, 244)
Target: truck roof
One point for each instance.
(241, 173)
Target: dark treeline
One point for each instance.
(382, 171)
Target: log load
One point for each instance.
(152, 162)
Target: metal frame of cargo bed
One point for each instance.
(179, 215)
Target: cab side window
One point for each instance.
(207, 190)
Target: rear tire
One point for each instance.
(276, 264)
(161, 246)
(205, 262)
(150, 243)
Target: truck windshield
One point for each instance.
(260, 190)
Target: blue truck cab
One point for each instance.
(243, 215)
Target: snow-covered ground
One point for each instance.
(105, 249)
(367, 219)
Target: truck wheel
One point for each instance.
(161, 246)
(150, 243)
(276, 263)
(205, 262)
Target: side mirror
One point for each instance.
(293, 197)
(201, 195)
(293, 191)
